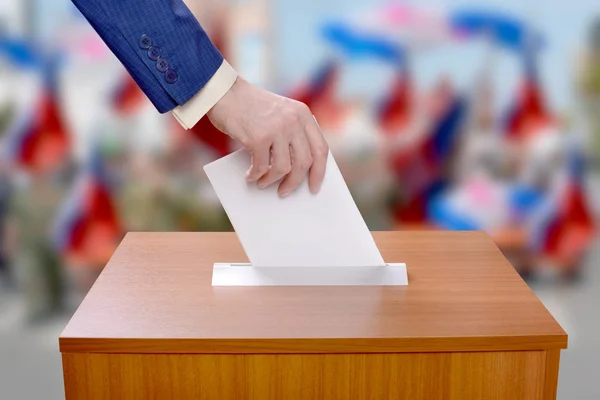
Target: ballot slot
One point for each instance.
(244, 274)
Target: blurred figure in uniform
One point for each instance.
(35, 262)
(187, 187)
(87, 228)
(588, 87)
(144, 202)
(6, 277)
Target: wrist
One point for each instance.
(220, 113)
(219, 84)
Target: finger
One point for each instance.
(301, 162)
(320, 151)
(281, 164)
(261, 159)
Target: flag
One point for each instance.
(212, 138)
(395, 110)
(529, 112)
(421, 169)
(320, 90)
(433, 149)
(127, 97)
(21, 53)
(41, 142)
(88, 228)
(439, 145)
(354, 41)
(320, 95)
(564, 227)
(502, 28)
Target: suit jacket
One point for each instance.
(160, 43)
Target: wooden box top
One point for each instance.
(155, 296)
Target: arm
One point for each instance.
(160, 43)
(168, 54)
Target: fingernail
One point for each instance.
(284, 194)
(262, 185)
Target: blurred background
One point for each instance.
(442, 115)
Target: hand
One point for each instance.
(281, 135)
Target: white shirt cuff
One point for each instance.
(191, 112)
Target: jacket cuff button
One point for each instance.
(145, 42)
(171, 76)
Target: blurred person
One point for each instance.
(34, 260)
(163, 196)
(483, 152)
(442, 94)
(361, 159)
(421, 156)
(542, 158)
(88, 227)
(588, 88)
(6, 191)
(171, 58)
(186, 186)
(144, 202)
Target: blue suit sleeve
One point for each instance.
(160, 43)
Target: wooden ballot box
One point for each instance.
(465, 327)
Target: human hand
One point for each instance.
(281, 135)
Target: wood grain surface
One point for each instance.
(551, 374)
(415, 376)
(155, 296)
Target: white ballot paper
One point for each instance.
(303, 230)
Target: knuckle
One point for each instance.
(258, 142)
(302, 108)
(285, 122)
(296, 112)
(252, 141)
(262, 169)
(284, 169)
(322, 150)
(305, 163)
(289, 113)
(247, 142)
(264, 141)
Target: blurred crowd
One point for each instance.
(85, 157)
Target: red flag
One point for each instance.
(421, 168)
(571, 230)
(128, 97)
(322, 86)
(88, 228)
(44, 143)
(529, 112)
(569, 227)
(211, 137)
(396, 108)
(320, 95)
